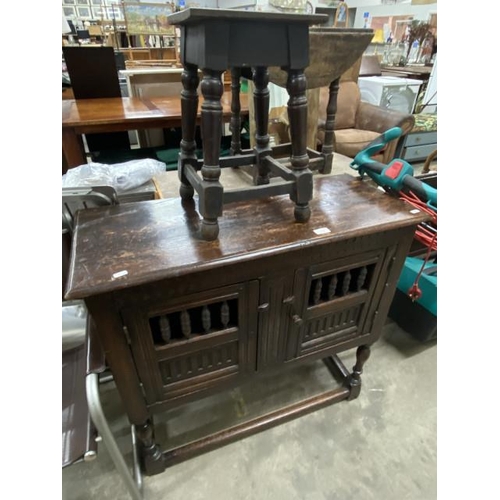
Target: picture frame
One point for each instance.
(148, 18)
(69, 11)
(83, 12)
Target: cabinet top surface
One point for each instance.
(132, 244)
(198, 15)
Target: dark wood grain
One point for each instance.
(166, 236)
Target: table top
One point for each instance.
(417, 70)
(132, 244)
(109, 111)
(196, 15)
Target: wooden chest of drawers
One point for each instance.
(180, 318)
(419, 146)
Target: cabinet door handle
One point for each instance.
(290, 302)
(263, 307)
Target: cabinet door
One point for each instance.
(338, 296)
(192, 343)
(275, 322)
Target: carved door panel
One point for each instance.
(275, 320)
(338, 298)
(194, 342)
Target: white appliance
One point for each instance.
(391, 92)
(430, 96)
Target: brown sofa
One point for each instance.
(358, 123)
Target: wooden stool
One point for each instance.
(215, 40)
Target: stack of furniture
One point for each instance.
(181, 318)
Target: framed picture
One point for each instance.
(69, 12)
(69, 2)
(83, 12)
(148, 18)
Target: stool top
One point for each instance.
(194, 15)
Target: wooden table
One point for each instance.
(180, 318)
(87, 116)
(417, 72)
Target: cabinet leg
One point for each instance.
(354, 382)
(189, 110)
(297, 112)
(151, 456)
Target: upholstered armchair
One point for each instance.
(357, 123)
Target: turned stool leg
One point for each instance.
(329, 141)
(189, 110)
(362, 355)
(297, 113)
(235, 124)
(260, 77)
(211, 128)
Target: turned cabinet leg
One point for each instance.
(362, 355)
(329, 141)
(297, 112)
(235, 124)
(189, 110)
(150, 453)
(260, 78)
(211, 127)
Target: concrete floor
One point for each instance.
(381, 446)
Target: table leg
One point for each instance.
(297, 112)
(260, 77)
(189, 110)
(72, 146)
(235, 111)
(329, 142)
(210, 203)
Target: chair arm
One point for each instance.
(377, 119)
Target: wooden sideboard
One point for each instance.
(180, 317)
